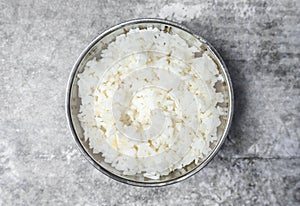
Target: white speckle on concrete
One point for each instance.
(180, 12)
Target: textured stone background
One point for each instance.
(260, 161)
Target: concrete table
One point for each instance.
(259, 164)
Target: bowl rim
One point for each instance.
(133, 182)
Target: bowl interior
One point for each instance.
(94, 50)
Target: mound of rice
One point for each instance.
(149, 104)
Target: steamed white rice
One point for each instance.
(149, 105)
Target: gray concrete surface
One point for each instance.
(260, 161)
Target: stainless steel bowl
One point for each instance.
(73, 102)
